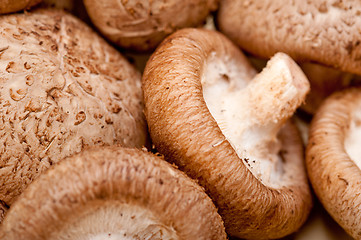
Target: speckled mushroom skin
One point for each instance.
(142, 24)
(62, 88)
(336, 177)
(8, 6)
(113, 175)
(183, 129)
(323, 31)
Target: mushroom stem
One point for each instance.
(269, 100)
(257, 112)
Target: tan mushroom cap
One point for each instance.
(186, 132)
(142, 24)
(322, 31)
(62, 88)
(113, 193)
(333, 158)
(8, 6)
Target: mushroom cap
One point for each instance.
(8, 6)
(332, 165)
(183, 129)
(113, 192)
(326, 32)
(142, 24)
(62, 88)
(324, 81)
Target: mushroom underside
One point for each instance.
(333, 158)
(187, 82)
(225, 92)
(98, 220)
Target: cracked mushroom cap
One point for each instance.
(113, 193)
(62, 88)
(8, 6)
(333, 158)
(142, 24)
(225, 126)
(323, 31)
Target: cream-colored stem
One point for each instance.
(259, 110)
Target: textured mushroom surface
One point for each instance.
(334, 158)
(62, 88)
(322, 31)
(208, 112)
(142, 24)
(113, 193)
(8, 6)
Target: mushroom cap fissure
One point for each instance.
(105, 180)
(183, 129)
(142, 24)
(321, 31)
(62, 88)
(8, 6)
(334, 175)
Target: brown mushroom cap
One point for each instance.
(62, 88)
(324, 81)
(141, 24)
(187, 133)
(333, 158)
(113, 193)
(322, 31)
(8, 6)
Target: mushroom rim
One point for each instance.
(333, 174)
(292, 202)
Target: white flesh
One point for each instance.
(251, 113)
(353, 138)
(114, 221)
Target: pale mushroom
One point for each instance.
(62, 88)
(142, 24)
(113, 193)
(325, 32)
(225, 126)
(8, 6)
(333, 158)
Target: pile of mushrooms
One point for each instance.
(73, 110)
(326, 33)
(62, 88)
